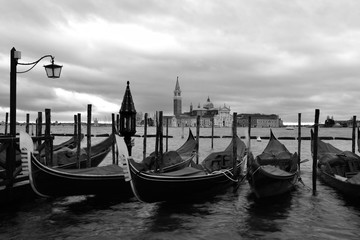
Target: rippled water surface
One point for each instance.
(233, 215)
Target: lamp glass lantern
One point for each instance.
(53, 70)
(127, 123)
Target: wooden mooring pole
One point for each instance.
(234, 135)
(118, 122)
(48, 139)
(212, 132)
(6, 122)
(182, 129)
(353, 134)
(315, 149)
(299, 140)
(115, 159)
(161, 137)
(157, 158)
(78, 140)
(39, 127)
(197, 138)
(88, 136)
(145, 135)
(27, 123)
(358, 139)
(75, 128)
(248, 146)
(249, 134)
(167, 135)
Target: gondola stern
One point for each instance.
(127, 167)
(27, 149)
(31, 177)
(132, 173)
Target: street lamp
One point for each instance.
(127, 118)
(52, 71)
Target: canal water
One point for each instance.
(233, 215)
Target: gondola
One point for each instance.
(172, 160)
(274, 171)
(66, 146)
(70, 143)
(338, 169)
(56, 182)
(21, 175)
(195, 182)
(67, 158)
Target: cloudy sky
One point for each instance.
(256, 56)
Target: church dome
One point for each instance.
(208, 104)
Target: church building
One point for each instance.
(177, 99)
(207, 112)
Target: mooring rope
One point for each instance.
(230, 178)
(255, 170)
(302, 182)
(228, 171)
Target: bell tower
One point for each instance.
(177, 99)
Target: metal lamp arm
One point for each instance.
(35, 63)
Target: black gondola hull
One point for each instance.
(349, 189)
(158, 187)
(273, 172)
(265, 185)
(338, 169)
(49, 182)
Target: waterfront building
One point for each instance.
(208, 113)
(177, 99)
(259, 120)
(220, 115)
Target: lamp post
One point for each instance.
(127, 118)
(52, 71)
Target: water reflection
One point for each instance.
(172, 216)
(84, 204)
(188, 217)
(267, 215)
(71, 212)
